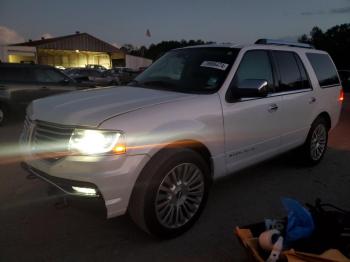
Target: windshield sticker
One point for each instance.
(216, 65)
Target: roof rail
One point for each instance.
(282, 42)
(27, 62)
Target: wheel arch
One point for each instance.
(136, 200)
(194, 145)
(325, 115)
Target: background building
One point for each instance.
(76, 50)
(17, 54)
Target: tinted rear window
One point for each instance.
(290, 77)
(325, 71)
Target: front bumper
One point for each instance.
(112, 177)
(65, 185)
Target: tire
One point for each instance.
(155, 193)
(315, 145)
(3, 114)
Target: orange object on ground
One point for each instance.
(331, 255)
(250, 243)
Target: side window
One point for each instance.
(304, 77)
(325, 71)
(254, 65)
(56, 76)
(95, 73)
(290, 76)
(48, 76)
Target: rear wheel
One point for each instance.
(170, 193)
(316, 143)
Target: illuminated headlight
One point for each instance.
(94, 142)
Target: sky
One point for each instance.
(121, 22)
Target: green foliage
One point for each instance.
(155, 51)
(336, 41)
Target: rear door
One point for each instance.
(299, 100)
(252, 126)
(327, 83)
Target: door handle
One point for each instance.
(273, 108)
(312, 100)
(44, 87)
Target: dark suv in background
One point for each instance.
(93, 76)
(22, 83)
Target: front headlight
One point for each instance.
(94, 142)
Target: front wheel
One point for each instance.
(316, 143)
(170, 193)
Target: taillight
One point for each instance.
(341, 96)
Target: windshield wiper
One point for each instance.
(158, 83)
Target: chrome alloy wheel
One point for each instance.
(318, 142)
(179, 195)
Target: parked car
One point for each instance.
(125, 74)
(345, 79)
(93, 76)
(153, 148)
(97, 67)
(22, 83)
(62, 68)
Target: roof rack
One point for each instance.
(27, 62)
(282, 42)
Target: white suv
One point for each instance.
(153, 148)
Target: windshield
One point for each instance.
(190, 70)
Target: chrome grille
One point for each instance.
(26, 132)
(50, 138)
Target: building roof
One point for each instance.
(78, 41)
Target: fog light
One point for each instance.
(85, 190)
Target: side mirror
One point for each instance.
(251, 88)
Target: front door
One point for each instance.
(252, 125)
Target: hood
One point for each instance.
(92, 107)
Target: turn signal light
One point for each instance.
(341, 96)
(119, 149)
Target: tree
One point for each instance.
(336, 41)
(128, 48)
(304, 39)
(154, 51)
